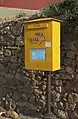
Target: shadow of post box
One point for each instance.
(42, 44)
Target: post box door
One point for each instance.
(38, 38)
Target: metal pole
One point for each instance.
(49, 93)
(48, 114)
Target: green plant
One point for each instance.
(66, 11)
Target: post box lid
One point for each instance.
(43, 19)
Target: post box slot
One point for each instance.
(37, 26)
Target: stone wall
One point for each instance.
(64, 89)
(28, 88)
(15, 80)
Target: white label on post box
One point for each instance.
(47, 44)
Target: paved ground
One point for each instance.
(12, 12)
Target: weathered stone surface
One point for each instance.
(76, 45)
(72, 46)
(7, 52)
(57, 82)
(30, 87)
(77, 59)
(1, 67)
(13, 66)
(16, 96)
(73, 98)
(73, 86)
(62, 114)
(14, 78)
(2, 81)
(71, 54)
(54, 105)
(76, 76)
(9, 76)
(1, 117)
(67, 61)
(55, 96)
(72, 115)
(66, 105)
(72, 106)
(19, 41)
(13, 59)
(76, 107)
(69, 70)
(60, 106)
(59, 89)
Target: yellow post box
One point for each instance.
(42, 44)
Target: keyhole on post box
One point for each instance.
(37, 65)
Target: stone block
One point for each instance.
(58, 89)
(72, 46)
(16, 96)
(56, 82)
(1, 66)
(69, 62)
(69, 70)
(71, 54)
(13, 59)
(2, 81)
(62, 114)
(7, 53)
(60, 106)
(73, 98)
(55, 96)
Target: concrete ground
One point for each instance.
(12, 12)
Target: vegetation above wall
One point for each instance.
(66, 11)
